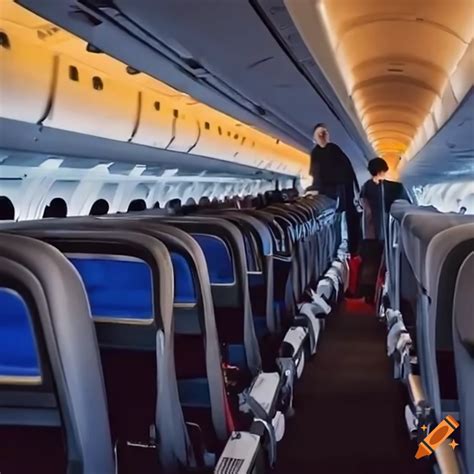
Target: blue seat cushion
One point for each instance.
(18, 353)
(118, 287)
(218, 259)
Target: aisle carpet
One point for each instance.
(349, 410)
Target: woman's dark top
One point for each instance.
(376, 201)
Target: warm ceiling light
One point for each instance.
(396, 58)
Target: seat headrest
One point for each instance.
(402, 207)
(418, 231)
(118, 287)
(218, 258)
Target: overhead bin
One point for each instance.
(218, 140)
(248, 152)
(462, 78)
(54, 81)
(185, 130)
(429, 126)
(155, 127)
(26, 73)
(86, 101)
(444, 107)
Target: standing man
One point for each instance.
(334, 176)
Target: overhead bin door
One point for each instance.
(462, 78)
(185, 130)
(443, 108)
(156, 121)
(26, 72)
(217, 141)
(89, 102)
(246, 152)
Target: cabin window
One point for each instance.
(73, 73)
(56, 208)
(99, 208)
(157, 106)
(243, 140)
(219, 129)
(97, 83)
(175, 113)
(229, 134)
(137, 205)
(207, 125)
(7, 209)
(236, 136)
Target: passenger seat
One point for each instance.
(53, 409)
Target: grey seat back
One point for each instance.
(124, 333)
(463, 340)
(444, 258)
(433, 246)
(393, 248)
(234, 293)
(173, 236)
(70, 390)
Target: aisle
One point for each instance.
(349, 410)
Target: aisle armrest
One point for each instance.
(293, 346)
(415, 389)
(446, 459)
(240, 454)
(263, 394)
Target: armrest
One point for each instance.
(311, 316)
(392, 316)
(294, 340)
(293, 346)
(324, 288)
(240, 454)
(264, 392)
(394, 335)
(262, 400)
(415, 389)
(321, 304)
(447, 460)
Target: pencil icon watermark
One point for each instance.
(433, 440)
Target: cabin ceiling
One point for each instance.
(396, 58)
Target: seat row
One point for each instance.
(427, 305)
(150, 342)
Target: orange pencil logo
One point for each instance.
(429, 445)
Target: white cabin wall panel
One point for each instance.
(63, 189)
